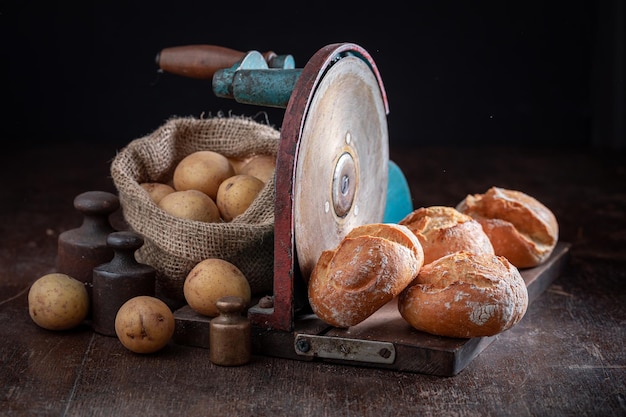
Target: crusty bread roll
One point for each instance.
(520, 228)
(465, 295)
(443, 230)
(368, 268)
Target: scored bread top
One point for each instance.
(368, 268)
(520, 227)
(389, 231)
(527, 214)
(443, 230)
(465, 295)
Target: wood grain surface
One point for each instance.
(565, 358)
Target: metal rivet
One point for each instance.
(303, 345)
(385, 353)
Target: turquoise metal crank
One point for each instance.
(252, 81)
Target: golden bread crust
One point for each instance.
(368, 268)
(465, 295)
(520, 227)
(444, 230)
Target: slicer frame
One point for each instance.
(287, 329)
(289, 293)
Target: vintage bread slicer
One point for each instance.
(332, 173)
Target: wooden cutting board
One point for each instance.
(384, 340)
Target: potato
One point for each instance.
(144, 324)
(236, 194)
(203, 171)
(260, 166)
(157, 190)
(58, 301)
(192, 205)
(212, 279)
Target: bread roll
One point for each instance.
(465, 295)
(520, 227)
(443, 230)
(368, 268)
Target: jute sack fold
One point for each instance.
(173, 246)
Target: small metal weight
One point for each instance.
(230, 341)
(119, 280)
(80, 250)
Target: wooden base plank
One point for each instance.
(415, 351)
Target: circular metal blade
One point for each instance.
(342, 160)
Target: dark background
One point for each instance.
(456, 72)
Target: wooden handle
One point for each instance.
(200, 61)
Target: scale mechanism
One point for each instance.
(332, 166)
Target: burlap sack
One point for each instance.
(174, 246)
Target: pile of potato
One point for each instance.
(206, 186)
(143, 324)
(210, 187)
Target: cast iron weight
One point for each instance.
(230, 333)
(80, 250)
(119, 280)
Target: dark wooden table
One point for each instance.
(565, 358)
